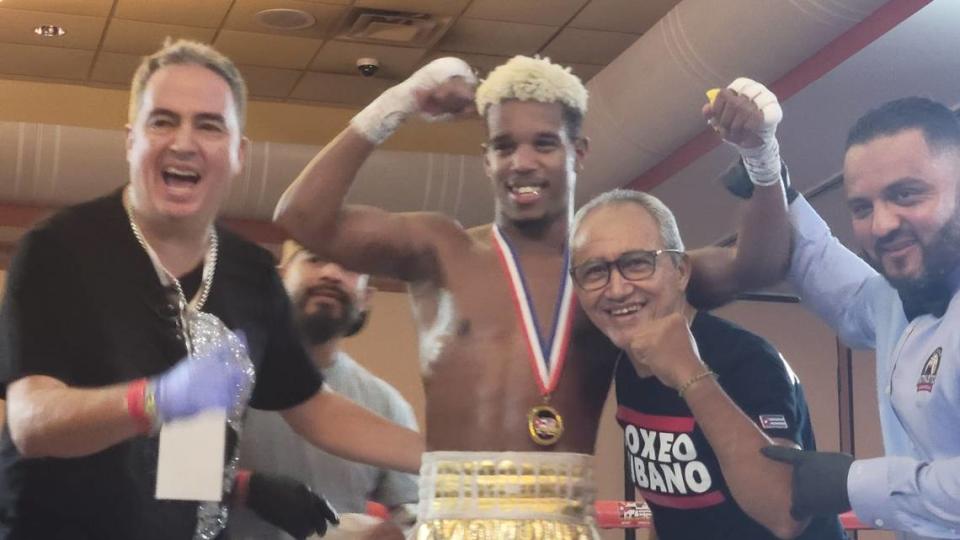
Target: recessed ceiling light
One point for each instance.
(285, 19)
(48, 30)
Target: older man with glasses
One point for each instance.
(698, 396)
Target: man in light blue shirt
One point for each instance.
(901, 175)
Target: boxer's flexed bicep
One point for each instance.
(408, 246)
(314, 210)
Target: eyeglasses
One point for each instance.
(632, 265)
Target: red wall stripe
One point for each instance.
(830, 56)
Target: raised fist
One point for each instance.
(665, 347)
(745, 113)
(439, 90)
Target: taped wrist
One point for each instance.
(381, 118)
(763, 163)
(737, 181)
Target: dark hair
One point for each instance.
(940, 127)
(572, 120)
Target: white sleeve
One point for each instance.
(396, 488)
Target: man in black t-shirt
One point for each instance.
(687, 475)
(105, 300)
(697, 396)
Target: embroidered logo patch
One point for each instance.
(773, 421)
(928, 375)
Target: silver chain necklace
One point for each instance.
(209, 265)
(211, 516)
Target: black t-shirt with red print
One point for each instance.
(668, 457)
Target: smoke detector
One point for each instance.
(285, 19)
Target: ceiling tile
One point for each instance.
(268, 50)
(341, 57)
(243, 17)
(588, 46)
(115, 68)
(628, 16)
(525, 11)
(495, 38)
(340, 89)
(135, 37)
(483, 64)
(93, 8)
(269, 82)
(205, 13)
(436, 7)
(83, 32)
(585, 71)
(46, 62)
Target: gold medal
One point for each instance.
(545, 425)
(547, 353)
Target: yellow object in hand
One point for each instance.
(712, 94)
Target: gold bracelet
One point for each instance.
(695, 379)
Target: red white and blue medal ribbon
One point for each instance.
(547, 354)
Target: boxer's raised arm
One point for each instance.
(364, 238)
(746, 115)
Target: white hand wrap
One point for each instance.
(382, 117)
(762, 162)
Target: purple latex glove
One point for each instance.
(207, 381)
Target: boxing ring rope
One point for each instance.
(636, 515)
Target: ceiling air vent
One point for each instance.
(392, 27)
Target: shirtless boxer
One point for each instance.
(515, 376)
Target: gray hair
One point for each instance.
(666, 222)
(185, 52)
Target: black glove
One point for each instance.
(737, 181)
(819, 480)
(290, 505)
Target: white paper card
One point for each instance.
(190, 464)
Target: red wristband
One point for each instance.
(137, 405)
(241, 486)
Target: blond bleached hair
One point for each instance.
(533, 79)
